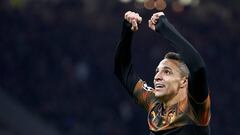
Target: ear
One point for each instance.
(184, 82)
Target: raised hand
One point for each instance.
(134, 19)
(154, 20)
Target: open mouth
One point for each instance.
(159, 86)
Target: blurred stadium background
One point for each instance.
(56, 64)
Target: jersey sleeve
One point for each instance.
(144, 95)
(124, 71)
(123, 67)
(201, 111)
(198, 88)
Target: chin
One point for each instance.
(158, 94)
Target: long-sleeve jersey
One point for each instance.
(190, 116)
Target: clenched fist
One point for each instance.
(134, 19)
(154, 20)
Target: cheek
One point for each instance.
(172, 86)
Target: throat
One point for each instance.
(169, 101)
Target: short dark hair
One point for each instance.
(176, 56)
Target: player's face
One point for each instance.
(167, 80)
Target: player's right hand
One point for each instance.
(134, 19)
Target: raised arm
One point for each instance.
(198, 87)
(122, 64)
(123, 67)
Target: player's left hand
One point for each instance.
(154, 20)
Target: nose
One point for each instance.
(158, 77)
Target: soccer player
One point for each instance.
(179, 103)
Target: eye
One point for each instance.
(167, 72)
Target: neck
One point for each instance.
(181, 95)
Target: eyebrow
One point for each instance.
(157, 69)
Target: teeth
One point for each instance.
(159, 85)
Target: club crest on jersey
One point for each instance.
(146, 87)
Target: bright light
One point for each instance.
(125, 1)
(185, 2)
(139, 1)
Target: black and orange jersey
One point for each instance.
(190, 116)
(185, 112)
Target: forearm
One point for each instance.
(198, 80)
(189, 54)
(122, 64)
